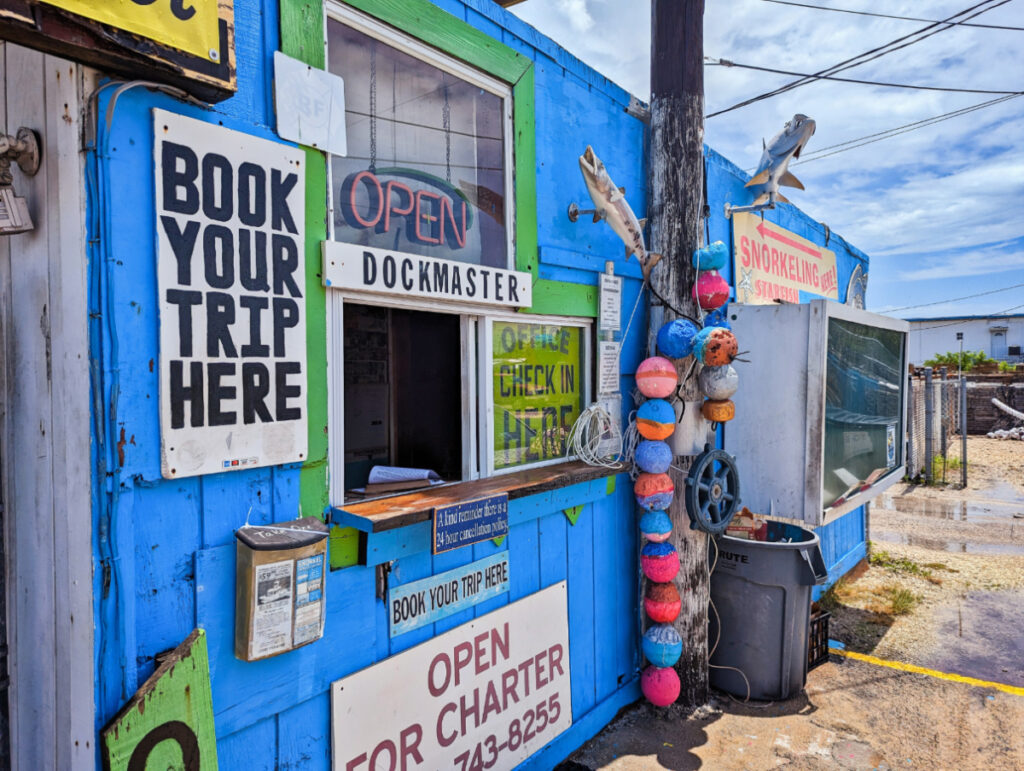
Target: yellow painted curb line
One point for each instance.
(1015, 690)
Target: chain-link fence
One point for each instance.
(933, 418)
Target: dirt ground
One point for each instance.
(944, 590)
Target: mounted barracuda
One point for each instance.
(610, 204)
(773, 170)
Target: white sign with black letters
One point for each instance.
(487, 694)
(230, 223)
(351, 266)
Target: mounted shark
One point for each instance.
(611, 206)
(773, 169)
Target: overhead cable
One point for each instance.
(955, 299)
(872, 54)
(961, 320)
(887, 16)
(729, 63)
(853, 144)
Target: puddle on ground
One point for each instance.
(981, 637)
(938, 544)
(1006, 506)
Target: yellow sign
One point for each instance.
(188, 25)
(773, 263)
(538, 390)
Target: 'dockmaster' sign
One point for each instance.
(369, 269)
(230, 227)
(772, 263)
(487, 694)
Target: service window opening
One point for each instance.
(403, 397)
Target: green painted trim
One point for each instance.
(561, 298)
(313, 497)
(573, 513)
(499, 541)
(438, 28)
(302, 31)
(343, 547)
(524, 133)
(611, 485)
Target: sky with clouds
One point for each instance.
(940, 209)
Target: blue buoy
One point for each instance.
(655, 526)
(675, 339)
(662, 645)
(711, 257)
(653, 457)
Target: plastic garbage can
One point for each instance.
(762, 593)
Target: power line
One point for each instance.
(729, 63)
(895, 132)
(956, 299)
(887, 16)
(879, 51)
(961, 321)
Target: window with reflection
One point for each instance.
(427, 170)
(863, 417)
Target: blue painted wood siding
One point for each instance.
(165, 549)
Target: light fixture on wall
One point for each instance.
(24, 150)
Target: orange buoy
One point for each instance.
(718, 410)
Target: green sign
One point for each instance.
(538, 390)
(168, 724)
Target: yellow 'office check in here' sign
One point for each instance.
(188, 25)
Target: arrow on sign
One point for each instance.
(765, 232)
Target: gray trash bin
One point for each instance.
(762, 592)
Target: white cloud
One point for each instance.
(909, 201)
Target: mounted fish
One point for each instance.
(610, 204)
(773, 170)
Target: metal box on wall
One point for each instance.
(820, 418)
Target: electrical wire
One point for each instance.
(869, 139)
(887, 16)
(718, 625)
(867, 56)
(730, 63)
(592, 431)
(955, 299)
(961, 321)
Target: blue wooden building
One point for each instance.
(154, 404)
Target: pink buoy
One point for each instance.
(662, 602)
(660, 685)
(659, 561)
(656, 377)
(711, 290)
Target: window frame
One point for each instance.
(476, 378)
(419, 50)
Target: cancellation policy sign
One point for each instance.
(774, 263)
(230, 219)
(487, 694)
(538, 390)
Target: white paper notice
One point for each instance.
(610, 304)
(272, 616)
(607, 367)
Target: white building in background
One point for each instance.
(1000, 336)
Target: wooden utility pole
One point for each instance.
(677, 176)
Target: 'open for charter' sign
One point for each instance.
(487, 694)
(231, 278)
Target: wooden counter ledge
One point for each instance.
(382, 514)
